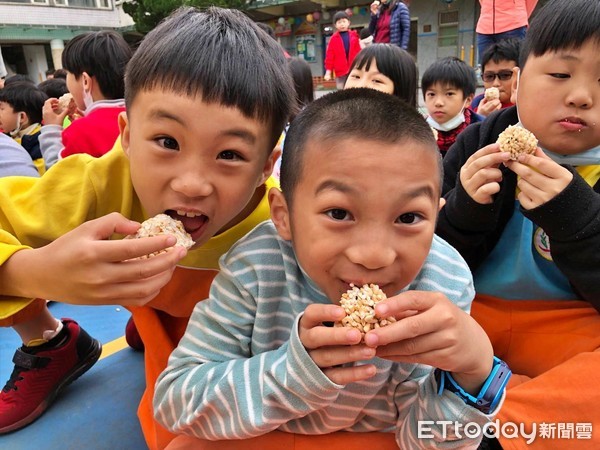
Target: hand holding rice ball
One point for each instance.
(359, 304)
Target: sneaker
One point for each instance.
(41, 372)
(132, 336)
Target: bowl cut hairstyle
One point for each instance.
(560, 25)
(396, 64)
(101, 54)
(217, 54)
(450, 71)
(25, 97)
(359, 113)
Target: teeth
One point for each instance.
(187, 214)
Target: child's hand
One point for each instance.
(330, 347)
(434, 331)
(540, 178)
(486, 107)
(480, 176)
(84, 267)
(51, 113)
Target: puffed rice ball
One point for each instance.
(492, 93)
(359, 304)
(516, 141)
(64, 102)
(164, 224)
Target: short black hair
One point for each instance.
(49, 72)
(220, 55)
(360, 113)
(303, 82)
(60, 73)
(396, 64)
(54, 87)
(450, 71)
(24, 97)
(561, 25)
(339, 16)
(503, 50)
(101, 54)
(17, 78)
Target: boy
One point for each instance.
(530, 229)
(497, 66)
(343, 47)
(21, 106)
(196, 144)
(258, 355)
(448, 87)
(95, 64)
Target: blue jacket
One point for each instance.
(399, 25)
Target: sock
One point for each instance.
(47, 335)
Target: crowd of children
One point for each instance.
(490, 265)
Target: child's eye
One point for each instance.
(168, 142)
(409, 218)
(230, 155)
(339, 214)
(560, 75)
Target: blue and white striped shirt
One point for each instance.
(241, 370)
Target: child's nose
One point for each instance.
(371, 251)
(580, 97)
(192, 184)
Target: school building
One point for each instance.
(33, 32)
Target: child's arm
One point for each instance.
(51, 133)
(227, 379)
(559, 201)
(85, 267)
(434, 328)
(475, 186)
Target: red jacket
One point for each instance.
(335, 57)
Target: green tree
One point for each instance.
(148, 13)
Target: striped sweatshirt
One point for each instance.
(240, 369)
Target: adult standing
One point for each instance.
(390, 22)
(502, 19)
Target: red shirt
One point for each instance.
(382, 31)
(94, 133)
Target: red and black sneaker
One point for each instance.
(41, 372)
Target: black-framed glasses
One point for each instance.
(503, 75)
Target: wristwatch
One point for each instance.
(491, 392)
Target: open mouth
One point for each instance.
(193, 222)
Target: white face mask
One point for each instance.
(14, 132)
(450, 124)
(87, 99)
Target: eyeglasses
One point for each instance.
(503, 75)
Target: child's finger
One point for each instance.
(317, 313)
(324, 336)
(332, 356)
(346, 375)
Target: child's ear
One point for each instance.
(514, 87)
(24, 119)
(280, 213)
(270, 164)
(442, 203)
(468, 100)
(124, 131)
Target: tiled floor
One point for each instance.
(98, 411)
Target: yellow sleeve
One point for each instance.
(36, 211)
